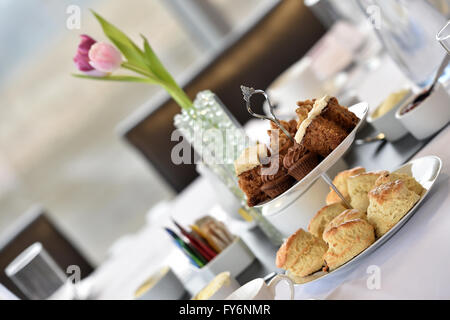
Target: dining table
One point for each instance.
(412, 264)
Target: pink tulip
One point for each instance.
(81, 59)
(104, 57)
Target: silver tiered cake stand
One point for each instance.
(425, 170)
(298, 189)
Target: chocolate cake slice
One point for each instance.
(340, 115)
(247, 168)
(277, 181)
(323, 125)
(279, 142)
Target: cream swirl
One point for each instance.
(317, 109)
(294, 154)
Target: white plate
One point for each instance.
(293, 193)
(425, 170)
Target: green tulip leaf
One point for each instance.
(129, 49)
(116, 78)
(144, 62)
(156, 65)
(134, 68)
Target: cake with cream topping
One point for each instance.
(247, 168)
(323, 124)
(340, 115)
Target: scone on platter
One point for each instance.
(323, 217)
(343, 217)
(301, 254)
(359, 186)
(340, 181)
(389, 202)
(347, 235)
(337, 234)
(410, 182)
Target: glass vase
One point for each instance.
(219, 139)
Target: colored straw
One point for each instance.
(185, 248)
(202, 247)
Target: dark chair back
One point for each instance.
(35, 226)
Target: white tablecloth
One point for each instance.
(415, 262)
(134, 257)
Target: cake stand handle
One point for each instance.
(247, 93)
(331, 184)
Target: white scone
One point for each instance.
(323, 217)
(346, 215)
(359, 186)
(389, 202)
(410, 182)
(301, 254)
(340, 181)
(347, 236)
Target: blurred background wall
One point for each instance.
(58, 144)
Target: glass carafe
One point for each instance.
(444, 37)
(407, 30)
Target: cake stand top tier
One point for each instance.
(293, 193)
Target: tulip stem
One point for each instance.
(179, 96)
(131, 67)
(172, 88)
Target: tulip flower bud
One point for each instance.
(104, 57)
(81, 59)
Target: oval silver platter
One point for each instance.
(425, 170)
